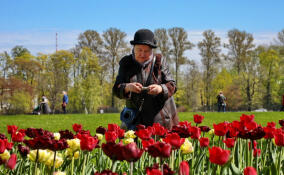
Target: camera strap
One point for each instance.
(139, 76)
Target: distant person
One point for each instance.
(282, 108)
(64, 101)
(44, 107)
(221, 100)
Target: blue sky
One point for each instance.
(33, 23)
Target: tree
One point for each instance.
(240, 46)
(269, 62)
(280, 37)
(163, 42)
(114, 45)
(58, 78)
(179, 44)
(210, 52)
(92, 40)
(18, 51)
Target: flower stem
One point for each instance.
(54, 159)
(84, 163)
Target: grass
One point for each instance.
(90, 122)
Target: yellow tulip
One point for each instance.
(186, 147)
(130, 134)
(5, 155)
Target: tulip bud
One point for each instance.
(211, 132)
(128, 140)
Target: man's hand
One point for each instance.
(155, 89)
(133, 87)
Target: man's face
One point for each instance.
(142, 52)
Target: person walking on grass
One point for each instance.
(64, 101)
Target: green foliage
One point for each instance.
(19, 103)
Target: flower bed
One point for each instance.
(239, 147)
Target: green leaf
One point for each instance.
(235, 170)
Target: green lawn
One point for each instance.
(91, 122)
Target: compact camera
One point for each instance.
(145, 89)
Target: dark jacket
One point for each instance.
(160, 108)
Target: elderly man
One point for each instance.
(146, 83)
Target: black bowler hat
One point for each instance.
(144, 36)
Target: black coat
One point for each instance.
(156, 109)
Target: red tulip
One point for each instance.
(256, 152)
(2, 146)
(204, 128)
(106, 172)
(147, 143)
(113, 151)
(233, 132)
(198, 118)
(120, 133)
(218, 156)
(229, 142)
(269, 132)
(131, 152)
(12, 128)
(246, 118)
(144, 134)
(204, 142)
(160, 149)
(174, 139)
(251, 125)
(88, 143)
(183, 168)
(153, 172)
(221, 128)
(111, 136)
(24, 151)
(12, 162)
(18, 137)
(250, 171)
(281, 122)
(195, 132)
(113, 127)
(77, 127)
(182, 130)
(159, 129)
(279, 137)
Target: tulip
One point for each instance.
(174, 139)
(144, 134)
(106, 172)
(111, 136)
(250, 171)
(159, 129)
(198, 118)
(59, 173)
(12, 162)
(128, 140)
(88, 143)
(77, 127)
(101, 130)
(160, 149)
(131, 152)
(74, 144)
(56, 136)
(100, 136)
(183, 168)
(220, 129)
(218, 156)
(230, 142)
(5, 155)
(281, 122)
(204, 142)
(186, 147)
(2, 146)
(130, 134)
(195, 132)
(12, 129)
(279, 137)
(147, 143)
